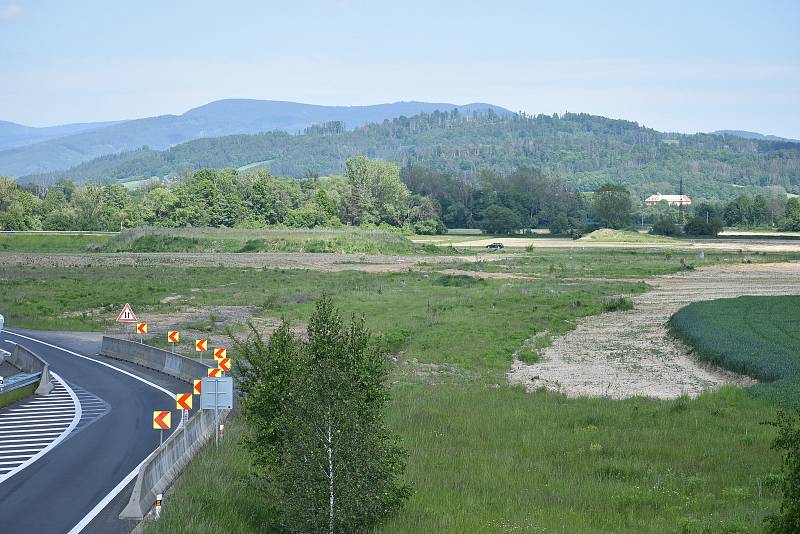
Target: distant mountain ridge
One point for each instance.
(754, 135)
(16, 135)
(74, 144)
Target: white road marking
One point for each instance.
(65, 416)
(130, 476)
(24, 440)
(57, 435)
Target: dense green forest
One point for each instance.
(586, 151)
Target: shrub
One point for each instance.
(788, 440)
(665, 226)
(697, 225)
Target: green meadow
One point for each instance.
(483, 456)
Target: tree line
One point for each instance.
(369, 193)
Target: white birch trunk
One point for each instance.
(332, 496)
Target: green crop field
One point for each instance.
(757, 336)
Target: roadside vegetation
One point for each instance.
(757, 336)
(15, 395)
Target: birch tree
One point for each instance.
(327, 461)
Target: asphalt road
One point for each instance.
(61, 491)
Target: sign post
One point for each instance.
(141, 329)
(127, 316)
(216, 396)
(162, 420)
(173, 337)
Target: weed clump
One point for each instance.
(617, 303)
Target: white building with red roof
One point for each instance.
(672, 200)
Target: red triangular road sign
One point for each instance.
(127, 315)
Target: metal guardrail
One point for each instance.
(20, 380)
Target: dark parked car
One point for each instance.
(495, 245)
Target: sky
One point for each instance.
(674, 66)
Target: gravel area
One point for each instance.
(630, 353)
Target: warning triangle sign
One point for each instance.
(127, 315)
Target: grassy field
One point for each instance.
(502, 460)
(758, 336)
(50, 242)
(345, 240)
(473, 324)
(484, 457)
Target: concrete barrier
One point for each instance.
(27, 361)
(164, 465)
(186, 369)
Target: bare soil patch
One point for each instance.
(293, 260)
(630, 353)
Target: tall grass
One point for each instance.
(502, 460)
(50, 242)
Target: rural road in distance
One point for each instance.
(84, 482)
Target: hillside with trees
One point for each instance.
(65, 146)
(585, 151)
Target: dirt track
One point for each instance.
(266, 260)
(626, 354)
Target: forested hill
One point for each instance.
(223, 117)
(586, 150)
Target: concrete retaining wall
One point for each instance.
(186, 369)
(165, 464)
(29, 362)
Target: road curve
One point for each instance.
(69, 488)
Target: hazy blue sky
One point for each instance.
(678, 66)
